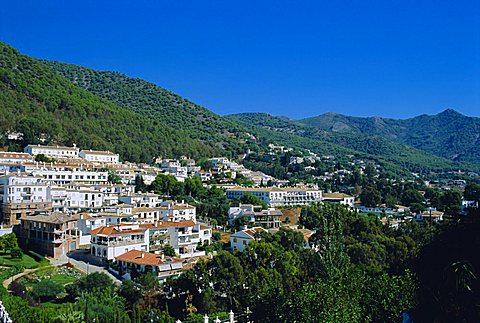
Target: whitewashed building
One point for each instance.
(109, 242)
(240, 240)
(21, 195)
(278, 196)
(96, 156)
(56, 152)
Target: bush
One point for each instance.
(16, 253)
(46, 289)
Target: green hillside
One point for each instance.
(448, 134)
(157, 103)
(42, 104)
(380, 148)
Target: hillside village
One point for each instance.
(68, 203)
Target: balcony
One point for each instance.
(118, 243)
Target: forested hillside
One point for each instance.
(157, 103)
(448, 134)
(42, 104)
(375, 146)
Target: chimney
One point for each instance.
(142, 255)
(163, 256)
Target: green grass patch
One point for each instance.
(61, 275)
(26, 261)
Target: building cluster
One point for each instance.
(69, 204)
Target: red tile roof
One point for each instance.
(111, 230)
(146, 258)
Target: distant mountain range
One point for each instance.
(68, 104)
(448, 134)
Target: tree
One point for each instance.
(328, 239)
(114, 178)
(168, 250)
(140, 184)
(411, 196)
(46, 289)
(89, 283)
(9, 241)
(149, 281)
(451, 201)
(41, 158)
(472, 192)
(130, 292)
(16, 253)
(370, 196)
(249, 198)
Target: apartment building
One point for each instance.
(52, 234)
(96, 156)
(183, 236)
(278, 196)
(21, 195)
(177, 211)
(56, 152)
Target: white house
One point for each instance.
(340, 198)
(97, 156)
(240, 240)
(269, 218)
(183, 236)
(175, 211)
(430, 215)
(56, 152)
(140, 199)
(110, 241)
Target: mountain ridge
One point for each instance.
(448, 134)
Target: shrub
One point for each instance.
(16, 253)
(46, 289)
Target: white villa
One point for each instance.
(240, 240)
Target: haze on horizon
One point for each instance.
(397, 59)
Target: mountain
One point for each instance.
(40, 103)
(65, 104)
(368, 145)
(157, 103)
(448, 134)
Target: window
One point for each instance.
(235, 240)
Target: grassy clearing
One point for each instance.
(26, 261)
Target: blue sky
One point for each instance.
(295, 58)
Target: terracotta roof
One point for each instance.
(251, 232)
(168, 224)
(146, 258)
(14, 155)
(112, 230)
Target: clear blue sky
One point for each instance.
(294, 58)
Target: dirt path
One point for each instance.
(9, 280)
